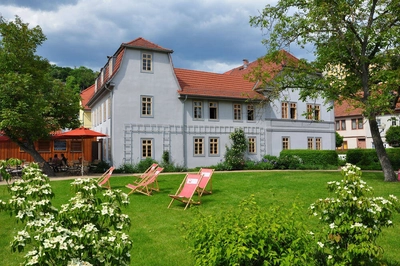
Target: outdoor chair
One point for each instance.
(104, 180)
(186, 190)
(147, 184)
(205, 186)
(149, 171)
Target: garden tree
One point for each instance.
(32, 104)
(393, 136)
(356, 47)
(234, 155)
(339, 140)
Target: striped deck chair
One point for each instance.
(104, 180)
(146, 185)
(205, 186)
(187, 189)
(149, 170)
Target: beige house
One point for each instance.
(355, 129)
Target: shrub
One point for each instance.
(314, 157)
(143, 165)
(101, 167)
(126, 168)
(352, 221)
(88, 230)
(289, 162)
(234, 155)
(250, 236)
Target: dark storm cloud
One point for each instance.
(212, 35)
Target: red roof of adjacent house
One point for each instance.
(271, 68)
(86, 95)
(207, 84)
(345, 109)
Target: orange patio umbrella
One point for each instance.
(79, 133)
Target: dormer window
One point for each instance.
(147, 62)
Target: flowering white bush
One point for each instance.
(88, 230)
(354, 219)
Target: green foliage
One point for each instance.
(393, 136)
(366, 159)
(32, 104)
(352, 221)
(339, 140)
(289, 161)
(314, 157)
(101, 167)
(88, 229)
(165, 157)
(249, 235)
(356, 46)
(234, 155)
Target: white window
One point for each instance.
(147, 106)
(197, 110)
(214, 146)
(213, 110)
(147, 148)
(147, 62)
(237, 112)
(198, 146)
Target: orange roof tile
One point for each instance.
(86, 95)
(199, 83)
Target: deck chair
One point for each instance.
(149, 171)
(205, 186)
(187, 189)
(104, 180)
(146, 185)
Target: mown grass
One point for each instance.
(158, 238)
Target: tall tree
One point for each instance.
(32, 105)
(356, 48)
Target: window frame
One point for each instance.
(213, 144)
(143, 146)
(146, 58)
(201, 145)
(285, 143)
(252, 145)
(216, 110)
(310, 143)
(44, 146)
(293, 111)
(237, 112)
(318, 143)
(284, 110)
(198, 107)
(151, 103)
(313, 112)
(250, 112)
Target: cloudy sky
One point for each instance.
(208, 35)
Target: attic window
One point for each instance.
(147, 62)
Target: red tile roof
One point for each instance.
(207, 84)
(86, 95)
(345, 109)
(141, 43)
(271, 68)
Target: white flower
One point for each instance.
(332, 225)
(389, 222)
(321, 245)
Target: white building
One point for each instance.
(147, 107)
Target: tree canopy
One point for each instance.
(356, 48)
(32, 104)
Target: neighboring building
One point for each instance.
(85, 115)
(355, 129)
(147, 107)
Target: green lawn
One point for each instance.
(156, 231)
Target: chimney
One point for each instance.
(245, 63)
